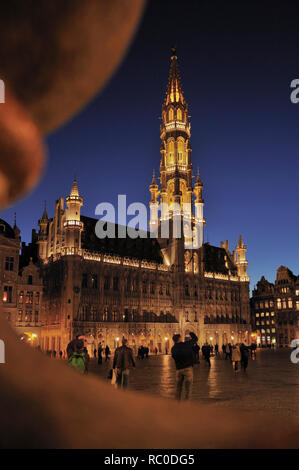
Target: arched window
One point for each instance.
(179, 115)
(171, 153)
(181, 152)
(187, 261)
(171, 115)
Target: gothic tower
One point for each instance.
(73, 225)
(176, 194)
(240, 258)
(42, 239)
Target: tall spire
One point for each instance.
(45, 215)
(74, 190)
(174, 93)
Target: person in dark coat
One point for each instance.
(183, 355)
(100, 351)
(206, 352)
(216, 349)
(123, 360)
(107, 353)
(244, 356)
(95, 353)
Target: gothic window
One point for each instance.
(7, 294)
(21, 297)
(171, 153)
(290, 303)
(144, 287)
(9, 262)
(181, 152)
(170, 115)
(30, 280)
(84, 280)
(152, 287)
(179, 115)
(187, 261)
(187, 289)
(161, 290)
(106, 283)
(115, 283)
(29, 297)
(36, 316)
(37, 298)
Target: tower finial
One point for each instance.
(173, 52)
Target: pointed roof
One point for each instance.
(74, 190)
(174, 93)
(240, 242)
(45, 215)
(154, 179)
(198, 180)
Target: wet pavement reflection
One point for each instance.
(270, 384)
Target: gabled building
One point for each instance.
(20, 286)
(275, 309)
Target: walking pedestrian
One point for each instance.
(60, 354)
(206, 352)
(216, 349)
(236, 357)
(227, 351)
(95, 353)
(244, 356)
(182, 353)
(100, 351)
(107, 353)
(223, 350)
(122, 362)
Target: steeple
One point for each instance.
(176, 190)
(42, 237)
(240, 258)
(174, 92)
(74, 190)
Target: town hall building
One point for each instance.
(145, 289)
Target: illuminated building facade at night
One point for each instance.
(275, 309)
(21, 286)
(145, 289)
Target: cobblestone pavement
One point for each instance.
(270, 384)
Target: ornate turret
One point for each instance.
(154, 190)
(240, 258)
(73, 225)
(42, 238)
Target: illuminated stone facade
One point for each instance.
(145, 289)
(275, 309)
(21, 286)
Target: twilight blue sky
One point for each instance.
(236, 63)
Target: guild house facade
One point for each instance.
(145, 289)
(21, 285)
(275, 309)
